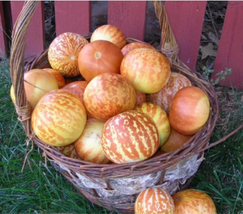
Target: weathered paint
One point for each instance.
(230, 50)
(73, 16)
(129, 17)
(36, 33)
(186, 20)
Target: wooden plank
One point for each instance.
(230, 50)
(3, 40)
(186, 20)
(129, 17)
(36, 33)
(73, 16)
(8, 26)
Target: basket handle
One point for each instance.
(19, 33)
(169, 46)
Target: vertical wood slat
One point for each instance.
(73, 16)
(230, 50)
(186, 20)
(129, 17)
(36, 33)
(3, 40)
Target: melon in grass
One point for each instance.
(193, 202)
(12, 94)
(154, 201)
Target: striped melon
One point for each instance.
(154, 201)
(109, 33)
(159, 116)
(63, 53)
(130, 136)
(59, 118)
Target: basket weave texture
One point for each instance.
(115, 186)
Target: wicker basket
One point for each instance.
(115, 186)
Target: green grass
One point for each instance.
(221, 176)
(40, 189)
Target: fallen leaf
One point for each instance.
(208, 51)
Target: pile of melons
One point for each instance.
(122, 102)
(106, 101)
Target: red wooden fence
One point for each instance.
(36, 34)
(230, 51)
(186, 19)
(72, 16)
(187, 24)
(129, 17)
(3, 39)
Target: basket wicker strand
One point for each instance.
(115, 186)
